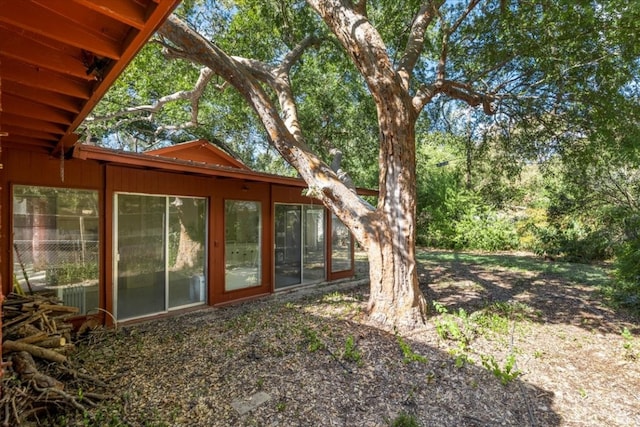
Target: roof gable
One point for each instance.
(199, 150)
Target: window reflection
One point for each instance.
(242, 244)
(340, 245)
(56, 243)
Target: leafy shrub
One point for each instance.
(486, 231)
(626, 290)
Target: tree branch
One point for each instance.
(361, 41)
(322, 181)
(415, 42)
(456, 90)
(461, 18)
(294, 55)
(277, 78)
(193, 96)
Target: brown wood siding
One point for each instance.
(36, 168)
(23, 167)
(146, 181)
(284, 194)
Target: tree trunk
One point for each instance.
(396, 299)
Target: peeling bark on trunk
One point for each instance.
(396, 299)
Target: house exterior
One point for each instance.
(139, 235)
(128, 234)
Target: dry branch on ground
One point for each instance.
(40, 379)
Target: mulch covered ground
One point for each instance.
(309, 358)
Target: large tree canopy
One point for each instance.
(322, 75)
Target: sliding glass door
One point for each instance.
(299, 244)
(159, 253)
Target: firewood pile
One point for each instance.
(41, 379)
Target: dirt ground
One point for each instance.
(309, 358)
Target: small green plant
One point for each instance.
(314, 343)
(627, 344)
(440, 308)
(281, 406)
(505, 374)
(408, 354)
(456, 327)
(460, 356)
(404, 420)
(351, 352)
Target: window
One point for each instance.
(242, 244)
(56, 243)
(340, 246)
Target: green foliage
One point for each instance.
(505, 373)
(408, 355)
(314, 343)
(462, 328)
(70, 273)
(488, 231)
(629, 351)
(457, 327)
(451, 215)
(497, 316)
(351, 352)
(626, 291)
(404, 420)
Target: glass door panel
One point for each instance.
(187, 251)
(288, 265)
(314, 244)
(242, 243)
(140, 257)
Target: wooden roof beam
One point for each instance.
(66, 143)
(22, 107)
(156, 17)
(30, 133)
(29, 143)
(35, 53)
(39, 78)
(37, 19)
(31, 123)
(57, 100)
(122, 10)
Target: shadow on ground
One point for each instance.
(313, 358)
(558, 292)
